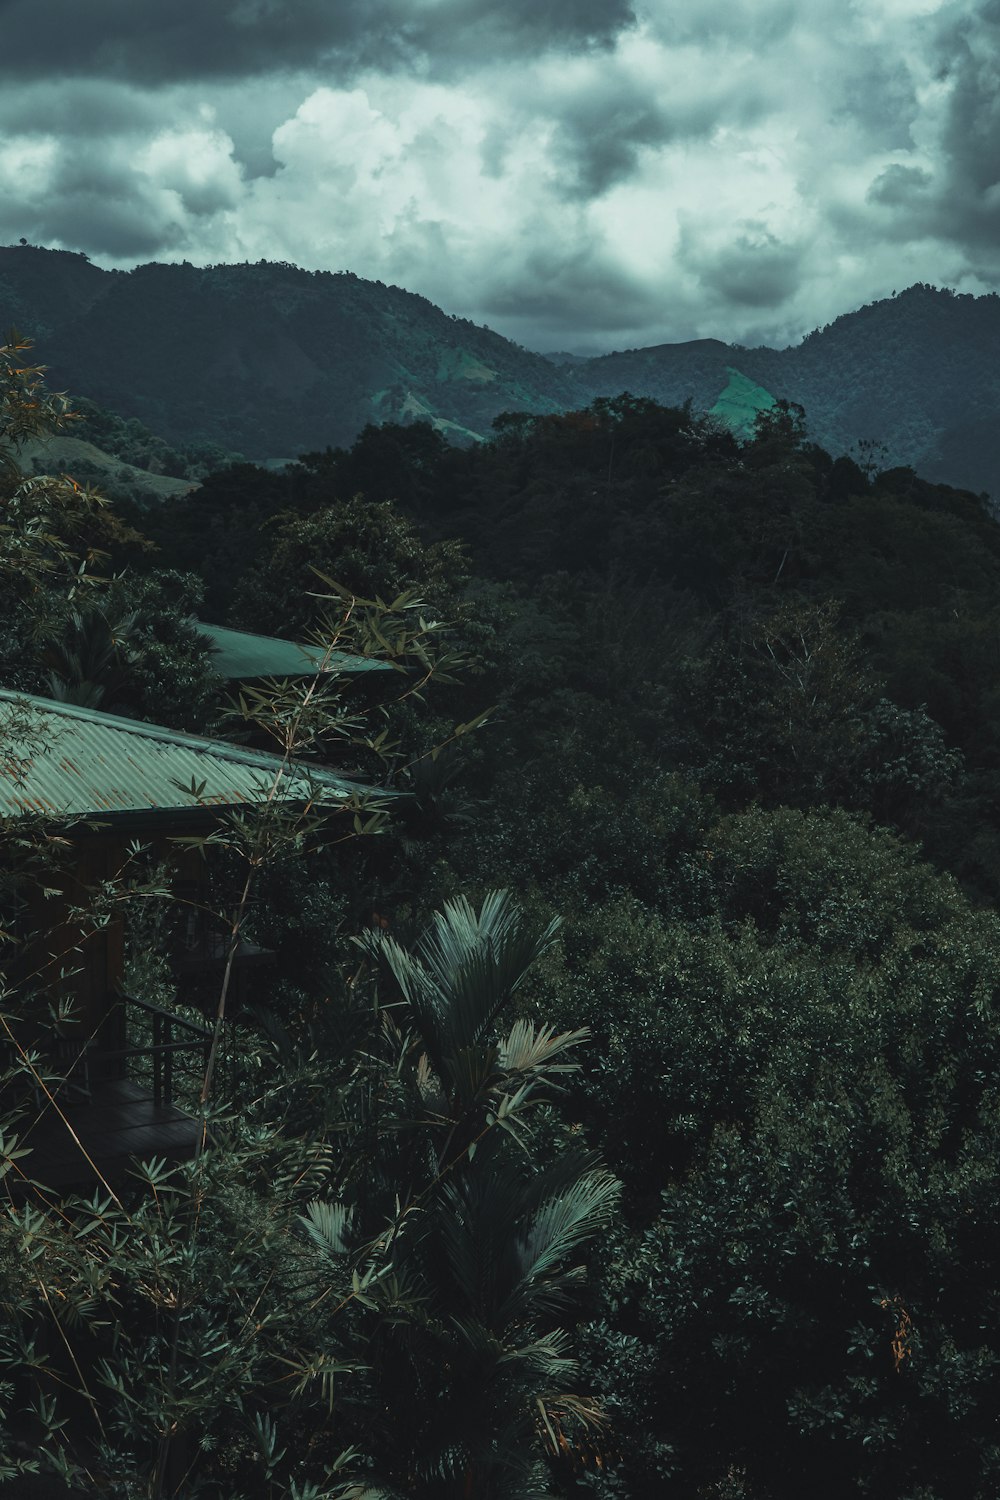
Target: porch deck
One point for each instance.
(122, 1123)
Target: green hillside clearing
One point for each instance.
(740, 402)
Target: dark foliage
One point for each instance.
(745, 742)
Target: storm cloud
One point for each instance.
(207, 39)
(579, 174)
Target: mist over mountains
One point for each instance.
(269, 360)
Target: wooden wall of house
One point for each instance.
(66, 956)
(84, 960)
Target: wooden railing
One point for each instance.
(163, 1049)
(73, 1066)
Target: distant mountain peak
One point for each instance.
(268, 358)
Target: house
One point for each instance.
(101, 783)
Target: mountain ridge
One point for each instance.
(267, 359)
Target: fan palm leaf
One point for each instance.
(479, 960)
(465, 970)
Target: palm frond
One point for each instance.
(463, 971)
(478, 1343)
(429, 1086)
(531, 1049)
(477, 961)
(327, 1225)
(546, 1357)
(427, 1002)
(566, 1220)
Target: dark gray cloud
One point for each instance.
(99, 207)
(968, 57)
(901, 187)
(752, 269)
(546, 290)
(953, 194)
(603, 132)
(576, 172)
(879, 96)
(600, 138)
(969, 194)
(76, 108)
(156, 43)
(122, 226)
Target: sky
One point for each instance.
(581, 175)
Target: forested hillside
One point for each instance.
(271, 361)
(671, 1172)
(915, 374)
(264, 359)
(121, 457)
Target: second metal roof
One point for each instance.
(240, 653)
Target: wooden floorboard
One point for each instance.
(119, 1126)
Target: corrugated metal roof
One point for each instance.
(67, 762)
(240, 653)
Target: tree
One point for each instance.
(491, 1226)
(797, 1085)
(55, 535)
(88, 665)
(369, 549)
(173, 1357)
(784, 708)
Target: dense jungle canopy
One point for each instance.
(671, 1171)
